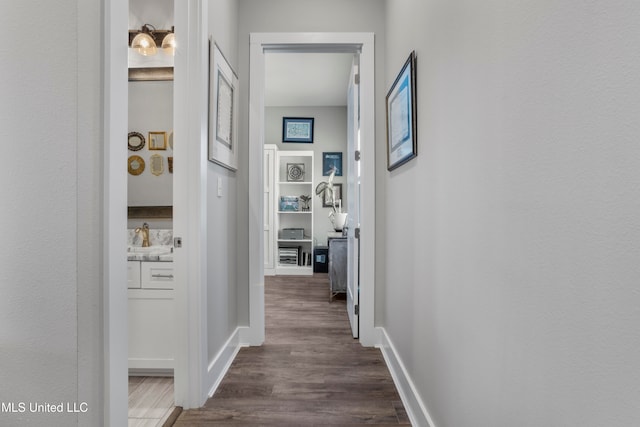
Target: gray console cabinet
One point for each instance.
(337, 267)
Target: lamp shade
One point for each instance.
(144, 44)
(169, 44)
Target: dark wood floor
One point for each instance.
(309, 372)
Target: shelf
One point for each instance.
(293, 250)
(294, 270)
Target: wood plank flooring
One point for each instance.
(150, 401)
(309, 372)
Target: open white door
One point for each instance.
(353, 200)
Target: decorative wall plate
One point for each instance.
(295, 171)
(156, 164)
(136, 141)
(136, 165)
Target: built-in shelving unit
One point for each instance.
(294, 220)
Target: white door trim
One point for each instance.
(189, 393)
(310, 42)
(189, 202)
(116, 22)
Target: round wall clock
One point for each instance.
(136, 165)
(136, 141)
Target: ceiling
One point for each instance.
(306, 79)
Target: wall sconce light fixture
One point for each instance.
(169, 43)
(144, 41)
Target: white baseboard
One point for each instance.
(220, 364)
(416, 410)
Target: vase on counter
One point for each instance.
(338, 219)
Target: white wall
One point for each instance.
(50, 219)
(222, 222)
(158, 13)
(512, 269)
(330, 135)
(275, 16)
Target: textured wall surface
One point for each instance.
(512, 275)
(40, 94)
(222, 219)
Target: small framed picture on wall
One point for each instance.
(295, 172)
(297, 129)
(331, 161)
(337, 196)
(157, 140)
(223, 105)
(402, 142)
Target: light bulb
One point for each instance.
(144, 44)
(169, 44)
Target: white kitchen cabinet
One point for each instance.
(152, 318)
(133, 274)
(156, 275)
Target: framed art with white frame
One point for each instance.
(223, 104)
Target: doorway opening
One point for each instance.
(361, 46)
(305, 232)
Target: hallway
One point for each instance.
(310, 371)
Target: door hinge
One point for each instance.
(177, 242)
(356, 79)
(357, 155)
(357, 233)
(356, 309)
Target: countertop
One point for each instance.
(160, 253)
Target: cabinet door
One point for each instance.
(156, 275)
(151, 329)
(133, 274)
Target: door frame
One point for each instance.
(188, 386)
(116, 16)
(353, 202)
(260, 43)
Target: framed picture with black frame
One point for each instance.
(402, 141)
(297, 129)
(337, 195)
(331, 160)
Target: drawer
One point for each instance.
(133, 274)
(156, 275)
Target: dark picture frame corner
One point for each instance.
(298, 129)
(401, 113)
